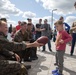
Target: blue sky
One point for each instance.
(15, 10)
(33, 6)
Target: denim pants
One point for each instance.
(37, 36)
(49, 45)
(73, 42)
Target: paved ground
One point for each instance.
(44, 64)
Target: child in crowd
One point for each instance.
(62, 38)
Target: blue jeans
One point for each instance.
(38, 35)
(73, 42)
(49, 45)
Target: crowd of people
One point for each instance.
(12, 50)
(23, 46)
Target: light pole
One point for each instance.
(52, 17)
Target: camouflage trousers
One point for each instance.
(12, 68)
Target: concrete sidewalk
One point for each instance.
(45, 63)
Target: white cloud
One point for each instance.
(6, 7)
(70, 19)
(11, 22)
(37, 0)
(4, 16)
(29, 14)
(63, 6)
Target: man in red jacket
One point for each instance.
(18, 26)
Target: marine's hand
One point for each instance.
(17, 57)
(36, 44)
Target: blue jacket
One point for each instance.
(67, 26)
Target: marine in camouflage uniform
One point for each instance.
(6, 48)
(22, 35)
(6, 52)
(30, 34)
